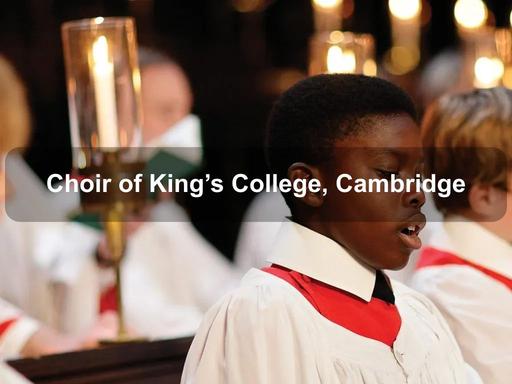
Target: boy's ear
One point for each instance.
(486, 200)
(307, 172)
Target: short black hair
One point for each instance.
(312, 114)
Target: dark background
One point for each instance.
(238, 64)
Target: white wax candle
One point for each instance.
(105, 95)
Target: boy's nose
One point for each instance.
(415, 199)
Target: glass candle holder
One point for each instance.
(103, 83)
(405, 19)
(484, 67)
(342, 52)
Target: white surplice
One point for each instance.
(477, 307)
(267, 332)
(45, 277)
(10, 376)
(172, 275)
(21, 328)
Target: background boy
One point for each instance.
(467, 268)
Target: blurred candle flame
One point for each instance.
(339, 61)
(470, 14)
(488, 72)
(327, 4)
(405, 9)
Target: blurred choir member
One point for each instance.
(466, 269)
(172, 275)
(35, 292)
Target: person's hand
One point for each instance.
(47, 341)
(105, 328)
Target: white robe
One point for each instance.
(172, 275)
(477, 307)
(14, 337)
(267, 332)
(10, 376)
(45, 274)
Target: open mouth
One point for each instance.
(411, 230)
(410, 234)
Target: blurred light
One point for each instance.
(327, 4)
(99, 20)
(336, 37)
(507, 77)
(426, 14)
(370, 68)
(339, 61)
(348, 8)
(470, 14)
(405, 9)
(401, 60)
(488, 72)
(510, 18)
(246, 6)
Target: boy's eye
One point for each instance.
(386, 174)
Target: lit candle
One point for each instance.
(488, 72)
(342, 52)
(327, 14)
(105, 95)
(470, 14)
(405, 27)
(340, 61)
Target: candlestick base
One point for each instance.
(122, 339)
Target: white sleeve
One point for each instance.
(10, 376)
(251, 336)
(15, 330)
(478, 310)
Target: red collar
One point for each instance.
(430, 257)
(377, 319)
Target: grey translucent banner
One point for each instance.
(334, 184)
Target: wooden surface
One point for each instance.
(145, 362)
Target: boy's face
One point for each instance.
(380, 229)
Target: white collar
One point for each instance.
(478, 245)
(321, 258)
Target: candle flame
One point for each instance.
(339, 61)
(470, 14)
(405, 9)
(327, 4)
(488, 72)
(370, 68)
(100, 52)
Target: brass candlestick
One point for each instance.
(103, 84)
(114, 206)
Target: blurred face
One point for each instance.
(380, 229)
(166, 98)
